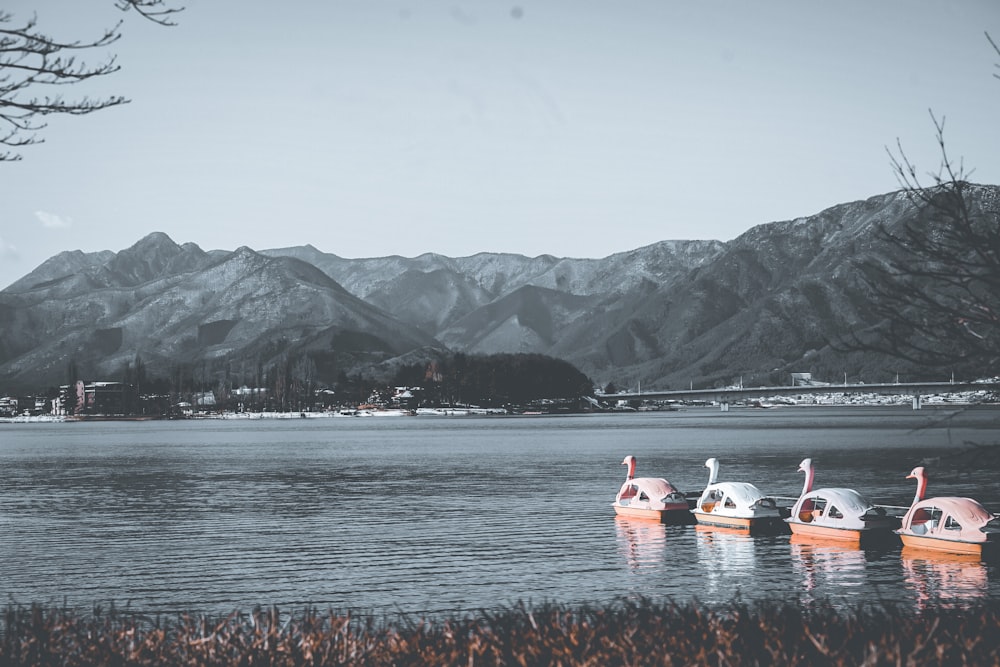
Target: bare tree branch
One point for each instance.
(997, 49)
(937, 292)
(31, 61)
(156, 11)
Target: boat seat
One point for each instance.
(708, 507)
(806, 517)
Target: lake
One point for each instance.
(448, 515)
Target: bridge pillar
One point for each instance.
(724, 405)
(917, 402)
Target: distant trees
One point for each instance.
(32, 62)
(496, 380)
(938, 294)
(291, 383)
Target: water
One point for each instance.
(446, 515)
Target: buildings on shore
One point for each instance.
(89, 398)
(119, 399)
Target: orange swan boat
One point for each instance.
(649, 497)
(948, 524)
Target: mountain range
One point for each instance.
(672, 314)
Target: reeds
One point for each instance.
(629, 633)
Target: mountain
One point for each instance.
(668, 315)
(769, 303)
(175, 305)
(452, 288)
(529, 319)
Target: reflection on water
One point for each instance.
(821, 563)
(726, 559)
(642, 542)
(935, 578)
(439, 516)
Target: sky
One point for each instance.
(575, 128)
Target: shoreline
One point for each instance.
(481, 412)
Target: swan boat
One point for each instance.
(739, 505)
(649, 497)
(948, 523)
(836, 513)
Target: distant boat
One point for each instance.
(738, 505)
(649, 497)
(836, 513)
(947, 523)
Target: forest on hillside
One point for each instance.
(507, 381)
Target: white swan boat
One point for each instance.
(836, 513)
(738, 505)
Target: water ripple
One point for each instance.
(430, 516)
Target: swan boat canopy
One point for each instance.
(948, 523)
(649, 497)
(733, 504)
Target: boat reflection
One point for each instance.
(822, 563)
(942, 578)
(641, 541)
(725, 556)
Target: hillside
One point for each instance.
(668, 315)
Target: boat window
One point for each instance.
(729, 503)
(819, 506)
(766, 502)
(951, 524)
(926, 515)
(643, 496)
(630, 492)
(834, 513)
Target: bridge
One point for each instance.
(728, 395)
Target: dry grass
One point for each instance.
(630, 633)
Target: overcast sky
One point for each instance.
(577, 128)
